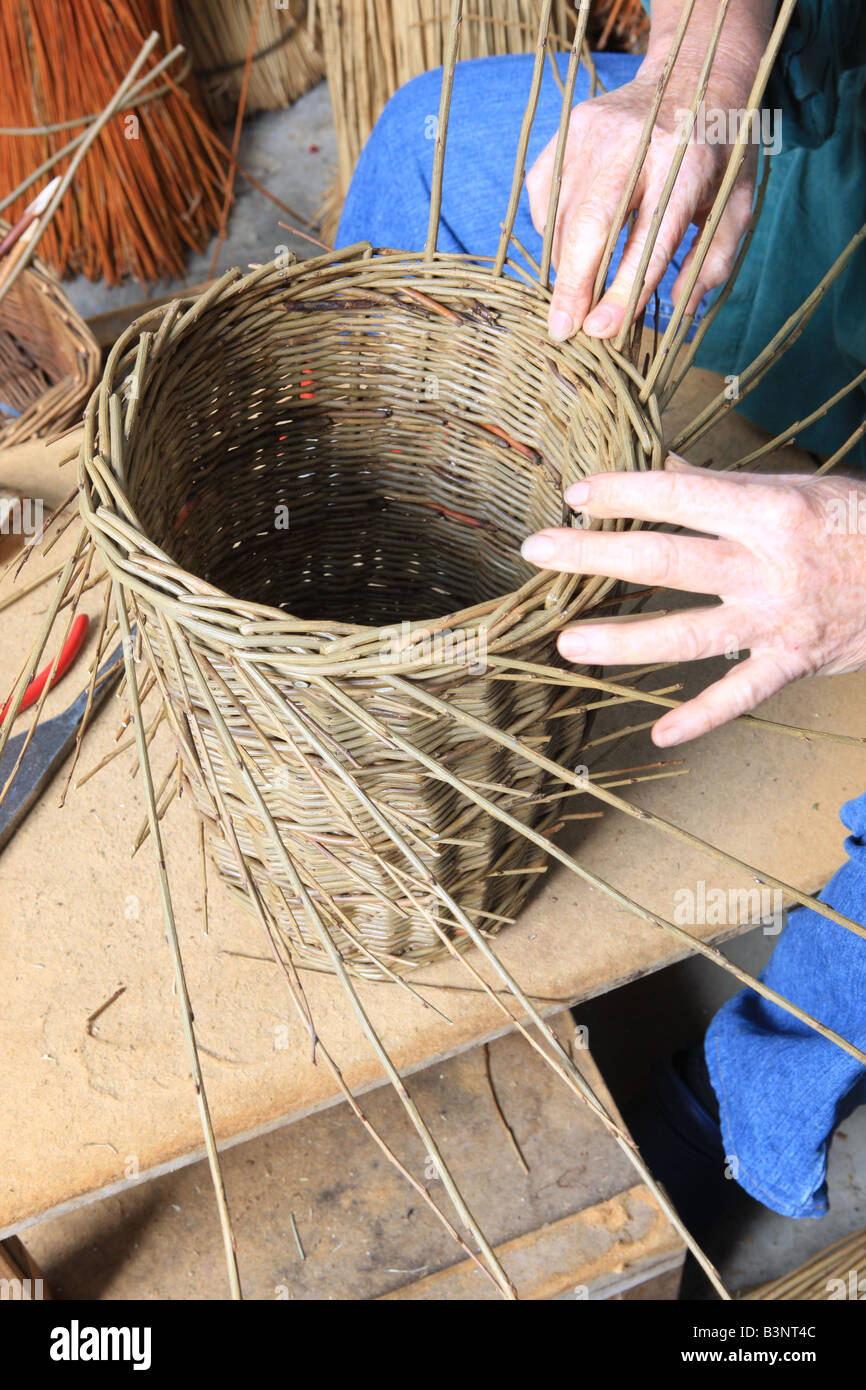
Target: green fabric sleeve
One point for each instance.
(824, 39)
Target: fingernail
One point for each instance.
(666, 738)
(572, 646)
(577, 494)
(560, 326)
(538, 550)
(599, 322)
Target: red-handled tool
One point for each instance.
(71, 647)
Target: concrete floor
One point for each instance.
(294, 154)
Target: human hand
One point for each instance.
(603, 138)
(788, 563)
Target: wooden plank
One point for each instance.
(363, 1232)
(590, 1254)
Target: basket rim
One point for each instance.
(541, 606)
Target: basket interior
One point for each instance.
(347, 464)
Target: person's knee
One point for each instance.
(408, 122)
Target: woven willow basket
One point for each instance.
(49, 359)
(292, 531)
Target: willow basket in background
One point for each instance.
(49, 359)
(287, 57)
(319, 494)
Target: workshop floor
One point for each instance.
(294, 153)
(634, 1028)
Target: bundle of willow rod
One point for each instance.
(373, 47)
(151, 187)
(287, 57)
(307, 488)
(834, 1273)
(49, 359)
(622, 25)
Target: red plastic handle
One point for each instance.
(71, 647)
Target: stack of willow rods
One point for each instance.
(827, 1276)
(149, 190)
(287, 60)
(620, 24)
(373, 47)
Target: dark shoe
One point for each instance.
(676, 1127)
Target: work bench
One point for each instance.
(92, 1106)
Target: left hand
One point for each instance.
(787, 560)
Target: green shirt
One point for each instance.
(815, 203)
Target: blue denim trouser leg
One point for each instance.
(388, 203)
(781, 1088)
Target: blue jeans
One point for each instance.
(389, 199)
(781, 1088)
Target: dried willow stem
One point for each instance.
(732, 173)
(561, 144)
(339, 969)
(624, 204)
(525, 133)
(648, 817)
(229, 1243)
(621, 1137)
(685, 135)
(442, 128)
(781, 341)
(789, 436)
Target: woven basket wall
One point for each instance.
(49, 359)
(373, 47)
(287, 59)
(313, 458)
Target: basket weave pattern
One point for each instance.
(329, 473)
(49, 359)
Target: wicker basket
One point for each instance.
(49, 359)
(325, 479)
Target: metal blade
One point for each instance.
(48, 748)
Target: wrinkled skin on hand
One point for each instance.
(603, 138)
(785, 555)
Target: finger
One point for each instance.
(607, 317)
(720, 258)
(676, 562)
(539, 181)
(691, 635)
(702, 500)
(675, 464)
(585, 227)
(739, 692)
